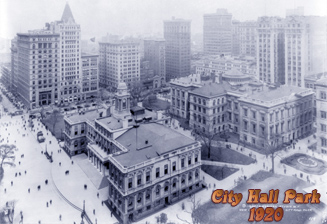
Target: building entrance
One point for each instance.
(45, 98)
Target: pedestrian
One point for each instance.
(50, 202)
(102, 203)
(19, 174)
(12, 183)
(5, 190)
(29, 190)
(93, 211)
(60, 217)
(15, 174)
(59, 163)
(98, 194)
(72, 162)
(47, 204)
(25, 172)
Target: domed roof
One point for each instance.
(122, 86)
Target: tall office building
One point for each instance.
(14, 65)
(177, 33)
(38, 65)
(305, 47)
(119, 61)
(248, 38)
(49, 63)
(70, 56)
(90, 75)
(236, 41)
(217, 32)
(154, 52)
(270, 50)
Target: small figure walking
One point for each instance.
(59, 163)
(5, 190)
(72, 162)
(60, 217)
(29, 190)
(50, 202)
(12, 183)
(93, 211)
(25, 172)
(47, 204)
(98, 194)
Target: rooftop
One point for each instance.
(85, 54)
(235, 73)
(322, 82)
(153, 140)
(211, 89)
(67, 14)
(112, 123)
(315, 77)
(88, 115)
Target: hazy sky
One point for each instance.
(128, 17)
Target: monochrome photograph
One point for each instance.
(163, 112)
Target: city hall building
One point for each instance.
(148, 165)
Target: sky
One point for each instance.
(138, 17)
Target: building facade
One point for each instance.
(321, 98)
(14, 65)
(47, 63)
(217, 33)
(281, 115)
(270, 50)
(38, 77)
(305, 47)
(119, 61)
(180, 98)
(155, 53)
(150, 174)
(177, 34)
(6, 76)
(236, 40)
(248, 38)
(90, 75)
(70, 56)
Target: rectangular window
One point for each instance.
(323, 127)
(322, 95)
(323, 114)
(196, 158)
(130, 183)
(323, 142)
(174, 166)
(245, 112)
(157, 172)
(182, 163)
(189, 160)
(166, 169)
(139, 179)
(148, 176)
(253, 114)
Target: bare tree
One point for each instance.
(273, 147)
(199, 213)
(135, 91)
(206, 137)
(55, 115)
(6, 152)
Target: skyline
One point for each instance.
(146, 18)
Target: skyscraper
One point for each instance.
(305, 47)
(270, 50)
(119, 61)
(154, 52)
(177, 33)
(217, 32)
(70, 56)
(248, 38)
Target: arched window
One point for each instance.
(158, 188)
(183, 179)
(139, 198)
(147, 195)
(214, 102)
(166, 186)
(190, 175)
(75, 143)
(130, 201)
(174, 183)
(197, 174)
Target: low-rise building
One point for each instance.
(280, 114)
(148, 165)
(321, 98)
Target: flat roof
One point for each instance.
(277, 93)
(211, 89)
(112, 123)
(153, 140)
(88, 115)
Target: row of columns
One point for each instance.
(97, 162)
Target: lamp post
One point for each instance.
(83, 212)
